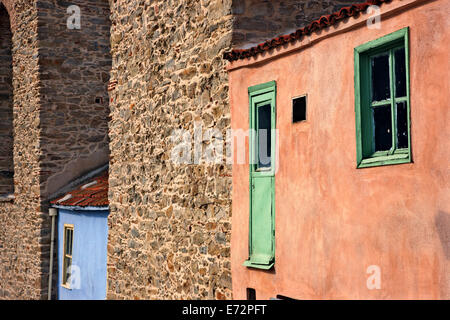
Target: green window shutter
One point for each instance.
(262, 99)
(383, 134)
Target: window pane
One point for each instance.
(67, 264)
(380, 78)
(65, 269)
(400, 73)
(69, 250)
(402, 125)
(66, 241)
(264, 136)
(383, 128)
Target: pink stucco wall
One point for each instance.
(332, 220)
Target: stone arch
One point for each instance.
(6, 105)
(9, 6)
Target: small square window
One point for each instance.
(251, 294)
(299, 109)
(98, 100)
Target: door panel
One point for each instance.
(261, 220)
(262, 176)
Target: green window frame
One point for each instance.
(262, 180)
(366, 104)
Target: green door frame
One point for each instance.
(261, 95)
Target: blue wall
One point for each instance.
(89, 253)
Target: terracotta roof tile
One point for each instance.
(93, 193)
(321, 23)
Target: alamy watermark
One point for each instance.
(374, 279)
(73, 277)
(74, 20)
(210, 146)
(374, 21)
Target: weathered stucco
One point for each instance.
(332, 220)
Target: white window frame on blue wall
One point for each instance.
(67, 256)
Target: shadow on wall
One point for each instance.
(75, 62)
(442, 222)
(259, 20)
(6, 106)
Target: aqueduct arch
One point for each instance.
(6, 105)
(9, 6)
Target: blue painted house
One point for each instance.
(82, 224)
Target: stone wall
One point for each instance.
(169, 235)
(74, 66)
(259, 20)
(60, 108)
(23, 240)
(6, 106)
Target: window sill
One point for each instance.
(385, 160)
(251, 264)
(6, 198)
(66, 286)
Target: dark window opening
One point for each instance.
(98, 100)
(402, 125)
(390, 116)
(383, 128)
(264, 136)
(251, 294)
(279, 296)
(400, 73)
(380, 78)
(299, 109)
(6, 106)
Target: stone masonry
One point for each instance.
(60, 109)
(259, 20)
(22, 220)
(74, 74)
(169, 224)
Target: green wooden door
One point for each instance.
(262, 176)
